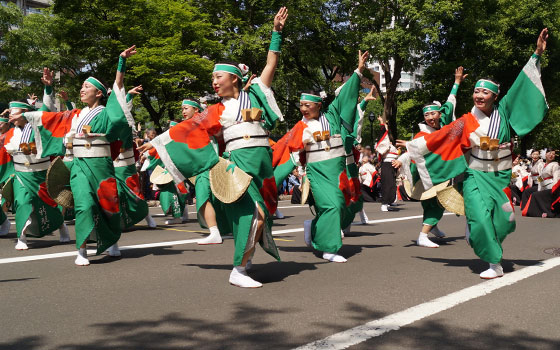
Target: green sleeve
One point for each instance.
(524, 106)
(342, 111)
(69, 105)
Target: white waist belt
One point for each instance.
(125, 158)
(29, 163)
(547, 183)
(350, 159)
(91, 147)
(245, 135)
(490, 161)
(324, 150)
(389, 157)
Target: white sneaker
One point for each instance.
(384, 207)
(494, 271)
(424, 241)
(213, 238)
(174, 221)
(437, 232)
(64, 235)
(114, 250)
(21, 244)
(70, 222)
(363, 217)
(150, 221)
(334, 257)
(307, 232)
(279, 214)
(238, 277)
(81, 258)
(5, 227)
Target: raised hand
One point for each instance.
(32, 97)
(401, 143)
(362, 59)
(5, 113)
(246, 88)
(280, 19)
(541, 42)
(47, 77)
(131, 51)
(136, 90)
(459, 77)
(369, 96)
(145, 147)
(63, 95)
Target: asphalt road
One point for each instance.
(177, 295)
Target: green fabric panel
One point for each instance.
(258, 100)
(3, 216)
(282, 171)
(524, 106)
(441, 170)
(45, 219)
(111, 121)
(172, 202)
(191, 162)
(489, 213)
(85, 178)
(355, 207)
(257, 162)
(203, 195)
(342, 111)
(433, 212)
(330, 205)
(446, 111)
(52, 146)
(133, 208)
(6, 170)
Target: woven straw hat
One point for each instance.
(8, 191)
(160, 176)
(58, 183)
(227, 183)
(305, 188)
(451, 200)
(419, 193)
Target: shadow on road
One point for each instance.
(477, 265)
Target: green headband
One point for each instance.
(172, 123)
(97, 85)
(192, 103)
(22, 105)
(228, 68)
(430, 108)
(311, 98)
(488, 85)
(4, 120)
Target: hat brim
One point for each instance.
(58, 183)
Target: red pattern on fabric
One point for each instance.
(44, 195)
(507, 191)
(344, 186)
(115, 149)
(289, 143)
(182, 188)
(196, 132)
(450, 141)
(133, 182)
(526, 208)
(356, 189)
(59, 123)
(108, 195)
(5, 157)
(269, 192)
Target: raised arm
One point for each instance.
(448, 108)
(275, 46)
(121, 68)
(48, 97)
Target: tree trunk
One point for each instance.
(155, 116)
(390, 105)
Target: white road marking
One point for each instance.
(403, 318)
(173, 243)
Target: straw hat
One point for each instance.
(160, 176)
(419, 193)
(58, 183)
(305, 187)
(8, 191)
(228, 182)
(451, 200)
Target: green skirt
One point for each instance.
(31, 201)
(133, 206)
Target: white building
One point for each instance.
(31, 6)
(408, 80)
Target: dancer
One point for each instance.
(387, 153)
(544, 202)
(326, 163)
(88, 133)
(479, 145)
(244, 118)
(36, 212)
(6, 168)
(435, 116)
